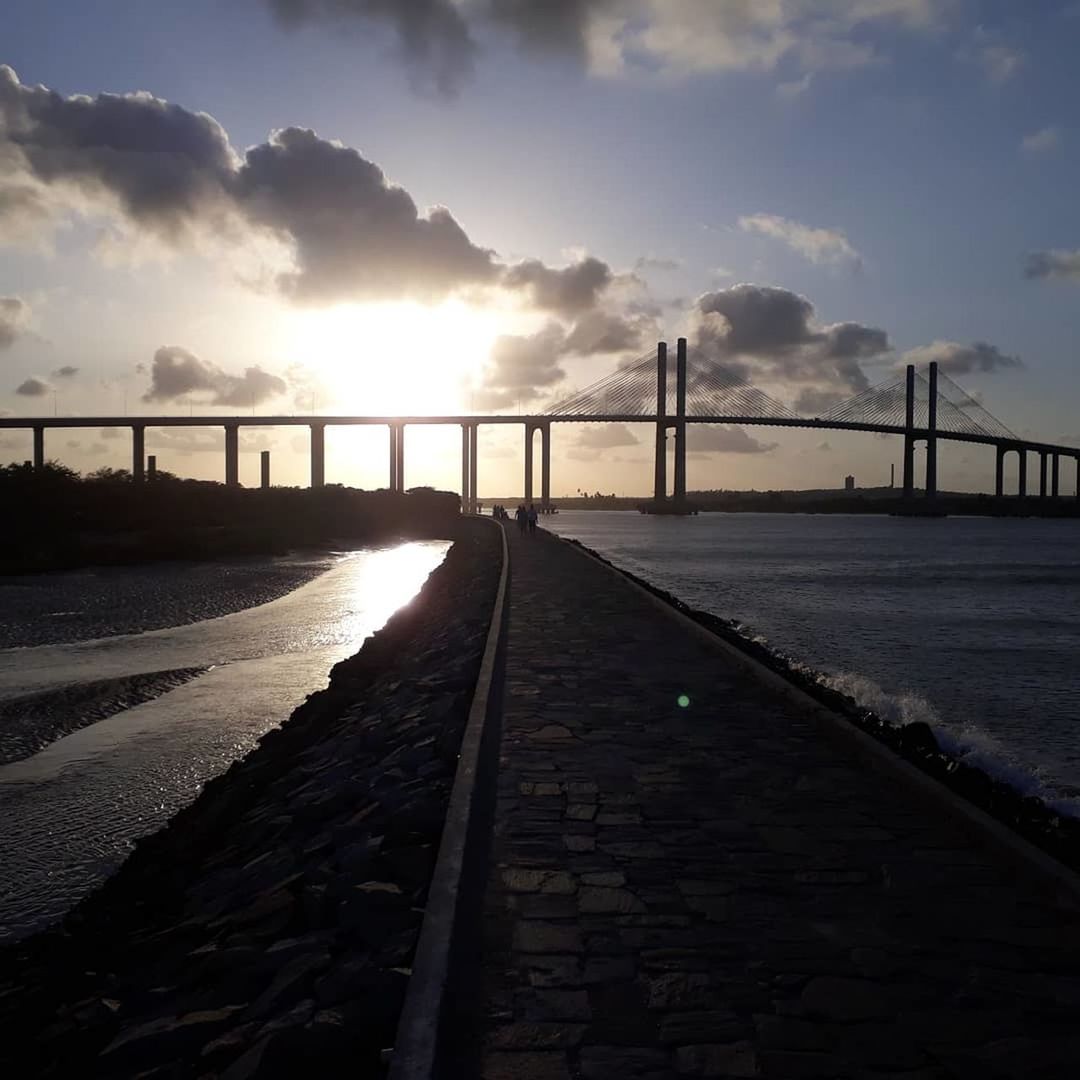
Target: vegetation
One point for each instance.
(58, 519)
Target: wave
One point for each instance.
(964, 741)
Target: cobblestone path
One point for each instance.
(716, 890)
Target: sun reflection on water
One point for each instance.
(382, 585)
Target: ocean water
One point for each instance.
(972, 624)
(70, 812)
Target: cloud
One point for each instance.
(111, 433)
(1040, 142)
(177, 373)
(999, 62)
(821, 246)
(162, 165)
(33, 387)
(568, 291)
(522, 368)
(438, 38)
(608, 332)
(771, 334)
(956, 359)
(433, 38)
(813, 401)
(789, 91)
(192, 440)
(66, 372)
(605, 437)
(654, 262)
(1060, 265)
(14, 314)
(718, 439)
(824, 447)
(324, 223)
(354, 235)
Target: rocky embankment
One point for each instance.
(269, 929)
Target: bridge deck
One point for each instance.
(717, 891)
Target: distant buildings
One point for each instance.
(849, 483)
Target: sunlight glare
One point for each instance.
(395, 358)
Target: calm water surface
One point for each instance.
(970, 623)
(69, 814)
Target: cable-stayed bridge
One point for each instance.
(914, 405)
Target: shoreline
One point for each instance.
(277, 914)
(1028, 816)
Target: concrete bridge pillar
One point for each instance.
(151, 468)
(232, 455)
(1055, 476)
(39, 448)
(1042, 474)
(264, 470)
(545, 465)
(680, 421)
(391, 483)
(999, 473)
(318, 455)
(397, 457)
(1021, 488)
(660, 480)
(465, 468)
(138, 452)
(909, 438)
(473, 468)
(529, 429)
(931, 439)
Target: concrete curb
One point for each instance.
(983, 829)
(460, 866)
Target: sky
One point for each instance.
(257, 207)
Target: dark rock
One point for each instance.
(290, 984)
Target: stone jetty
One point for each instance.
(689, 879)
(686, 876)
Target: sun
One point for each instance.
(395, 359)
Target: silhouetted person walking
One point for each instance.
(532, 519)
(522, 518)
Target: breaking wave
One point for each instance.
(965, 742)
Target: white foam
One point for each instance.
(965, 742)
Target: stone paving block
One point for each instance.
(596, 900)
(607, 878)
(832, 998)
(553, 971)
(545, 906)
(717, 1025)
(524, 1066)
(624, 1063)
(788, 1033)
(554, 1005)
(602, 969)
(579, 843)
(539, 936)
(724, 1059)
(805, 1065)
(536, 1035)
(678, 990)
